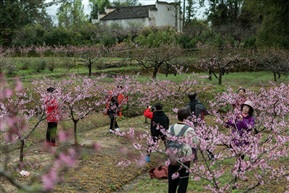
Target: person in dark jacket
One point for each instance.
(198, 112)
(197, 108)
(159, 120)
(114, 107)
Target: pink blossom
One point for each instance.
(50, 179)
(175, 175)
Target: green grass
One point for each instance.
(67, 65)
(251, 80)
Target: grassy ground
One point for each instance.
(95, 171)
(98, 172)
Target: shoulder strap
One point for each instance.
(183, 130)
(172, 130)
(181, 133)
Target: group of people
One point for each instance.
(160, 122)
(113, 110)
(195, 111)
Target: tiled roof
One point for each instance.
(129, 12)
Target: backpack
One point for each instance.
(175, 149)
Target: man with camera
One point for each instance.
(159, 121)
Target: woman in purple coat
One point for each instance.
(243, 124)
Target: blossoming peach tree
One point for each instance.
(13, 126)
(243, 167)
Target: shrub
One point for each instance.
(25, 65)
(11, 69)
(39, 66)
(51, 65)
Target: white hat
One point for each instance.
(249, 103)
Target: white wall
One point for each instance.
(126, 23)
(165, 15)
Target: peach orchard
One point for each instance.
(22, 110)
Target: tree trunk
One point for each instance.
(75, 135)
(210, 74)
(221, 72)
(155, 73)
(275, 77)
(21, 157)
(89, 69)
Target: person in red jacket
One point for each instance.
(159, 121)
(52, 116)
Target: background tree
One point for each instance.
(154, 58)
(221, 62)
(275, 25)
(88, 55)
(71, 14)
(154, 37)
(98, 7)
(16, 14)
(194, 33)
(273, 60)
(269, 20)
(190, 11)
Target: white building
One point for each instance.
(159, 15)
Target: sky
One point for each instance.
(53, 9)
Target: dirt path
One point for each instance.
(98, 172)
(95, 171)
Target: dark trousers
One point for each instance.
(180, 183)
(51, 132)
(113, 123)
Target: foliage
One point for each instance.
(39, 66)
(274, 31)
(270, 17)
(194, 32)
(71, 14)
(224, 12)
(155, 37)
(98, 7)
(78, 95)
(16, 14)
(124, 3)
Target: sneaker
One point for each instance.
(117, 129)
(111, 131)
(147, 158)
